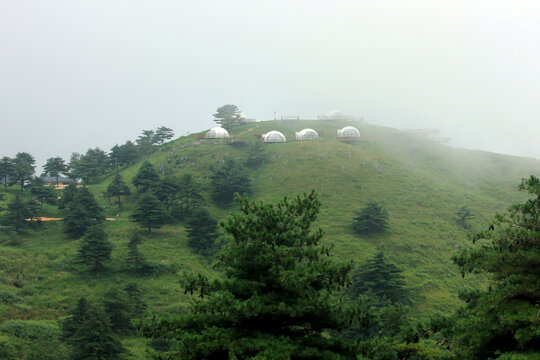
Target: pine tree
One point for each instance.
(43, 194)
(149, 212)
(82, 213)
(145, 142)
(118, 310)
(502, 320)
(6, 170)
(134, 258)
(202, 232)
(146, 177)
(227, 116)
(23, 167)
(167, 191)
(464, 214)
(373, 218)
(163, 134)
(379, 279)
(189, 195)
(118, 188)
(255, 155)
(277, 297)
(134, 296)
(94, 338)
(18, 211)
(94, 249)
(68, 194)
(76, 317)
(54, 167)
(229, 179)
(123, 154)
(88, 166)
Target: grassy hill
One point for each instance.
(422, 184)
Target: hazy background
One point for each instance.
(76, 74)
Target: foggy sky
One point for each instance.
(77, 74)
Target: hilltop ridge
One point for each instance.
(422, 184)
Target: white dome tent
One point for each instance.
(217, 133)
(274, 137)
(307, 134)
(348, 132)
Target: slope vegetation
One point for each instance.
(422, 185)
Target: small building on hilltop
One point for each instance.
(335, 115)
(307, 134)
(348, 132)
(243, 119)
(63, 182)
(273, 136)
(217, 133)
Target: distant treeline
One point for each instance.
(86, 167)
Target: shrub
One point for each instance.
(6, 351)
(8, 297)
(32, 329)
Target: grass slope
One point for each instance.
(422, 184)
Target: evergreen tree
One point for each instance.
(68, 194)
(87, 167)
(134, 296)
(162, 135)
(54, 167)
(43, 194)
(134, 258)
(6, 170)
(23, 168)
(94, 249)
(277, 297)
(77, 316)
(149, 212)
(229, 179)
(123, 154)
(145, 142)
(76, 170)
(7, 352)
(463, 215)
(255, 155)
(180, 196)
(77, 221)
(18, 211)
(373, 218)
(380, 280)
(146, 177)
(189, 195)
(118, 188)
(202, 232)
(227, 116)
(94, 338)
(118, 310)
(502, 320)
(82, 213)
(167, 191)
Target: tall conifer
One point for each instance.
(502, 320)
(277, 298)
(95, 249)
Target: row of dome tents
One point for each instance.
(274, 136)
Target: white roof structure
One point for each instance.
(274, 137)
(307, 134)
(348, 131)
(217, 133)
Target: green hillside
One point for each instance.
(421, 183)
